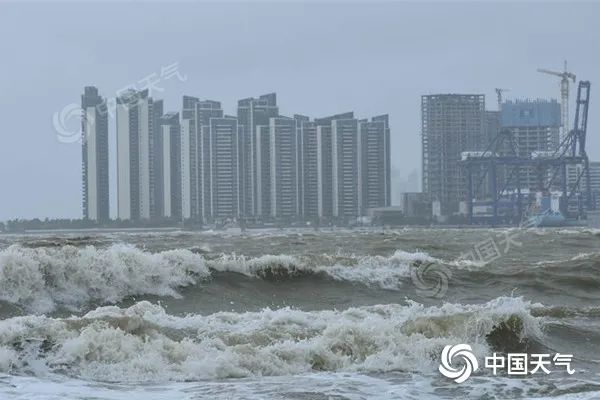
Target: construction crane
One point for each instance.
(499, 95)
(564, 95)
(501, 153)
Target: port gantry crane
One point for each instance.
(502, 152)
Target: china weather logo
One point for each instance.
(467, 363)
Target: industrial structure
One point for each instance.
(501, 167)
(564, 76)
(535, 126)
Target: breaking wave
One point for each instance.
(40, 279)
(380, 271)
(45, 278)
(143, 343)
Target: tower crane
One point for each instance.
(499, 95)
(564, 95)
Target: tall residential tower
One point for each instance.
(374, 163)
(168, 172)
(251, 113)
(95, 156)
(137, 114)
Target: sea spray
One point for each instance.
(42, 279)
(145, 343)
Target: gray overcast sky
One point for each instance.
(319, 58)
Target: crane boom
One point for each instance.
(564, 95)
(547, 71)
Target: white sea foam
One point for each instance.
(144, 343)
(380, 271)
(258, 266)
(42, 278)
(578, 257)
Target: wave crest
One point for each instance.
(40, 279)
(144, 343)
(267, 266)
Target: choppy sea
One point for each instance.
(295, 314)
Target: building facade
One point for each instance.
(202, 166)
(224, 156)
(573, 174)
(325, 164)
(284, 168)
(251, 113)
(374, 164)
(324, 172)
(595, 182)
(450, 124)
(309, 171)
(535, 125)
(190, 190)
(345, 168)
(168, 172)
(95, 184)
(263, 172)
(136, 119)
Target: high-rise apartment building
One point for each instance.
(262, 162)
(252, 112)
(325, 162)
(308, 175)
(136, 117)
(224, 157)
(155, 157)
(324, 171)
(95, 186)
(203, 166)
(190, 161)
(168, 172)
(205, 111)
(283, 168)
(345, 160)
(300, 120)
(374, 163)
(207, 192)
(387, 156)
(450, 124)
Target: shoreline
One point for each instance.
(282, 229)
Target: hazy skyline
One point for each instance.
(320, 59)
